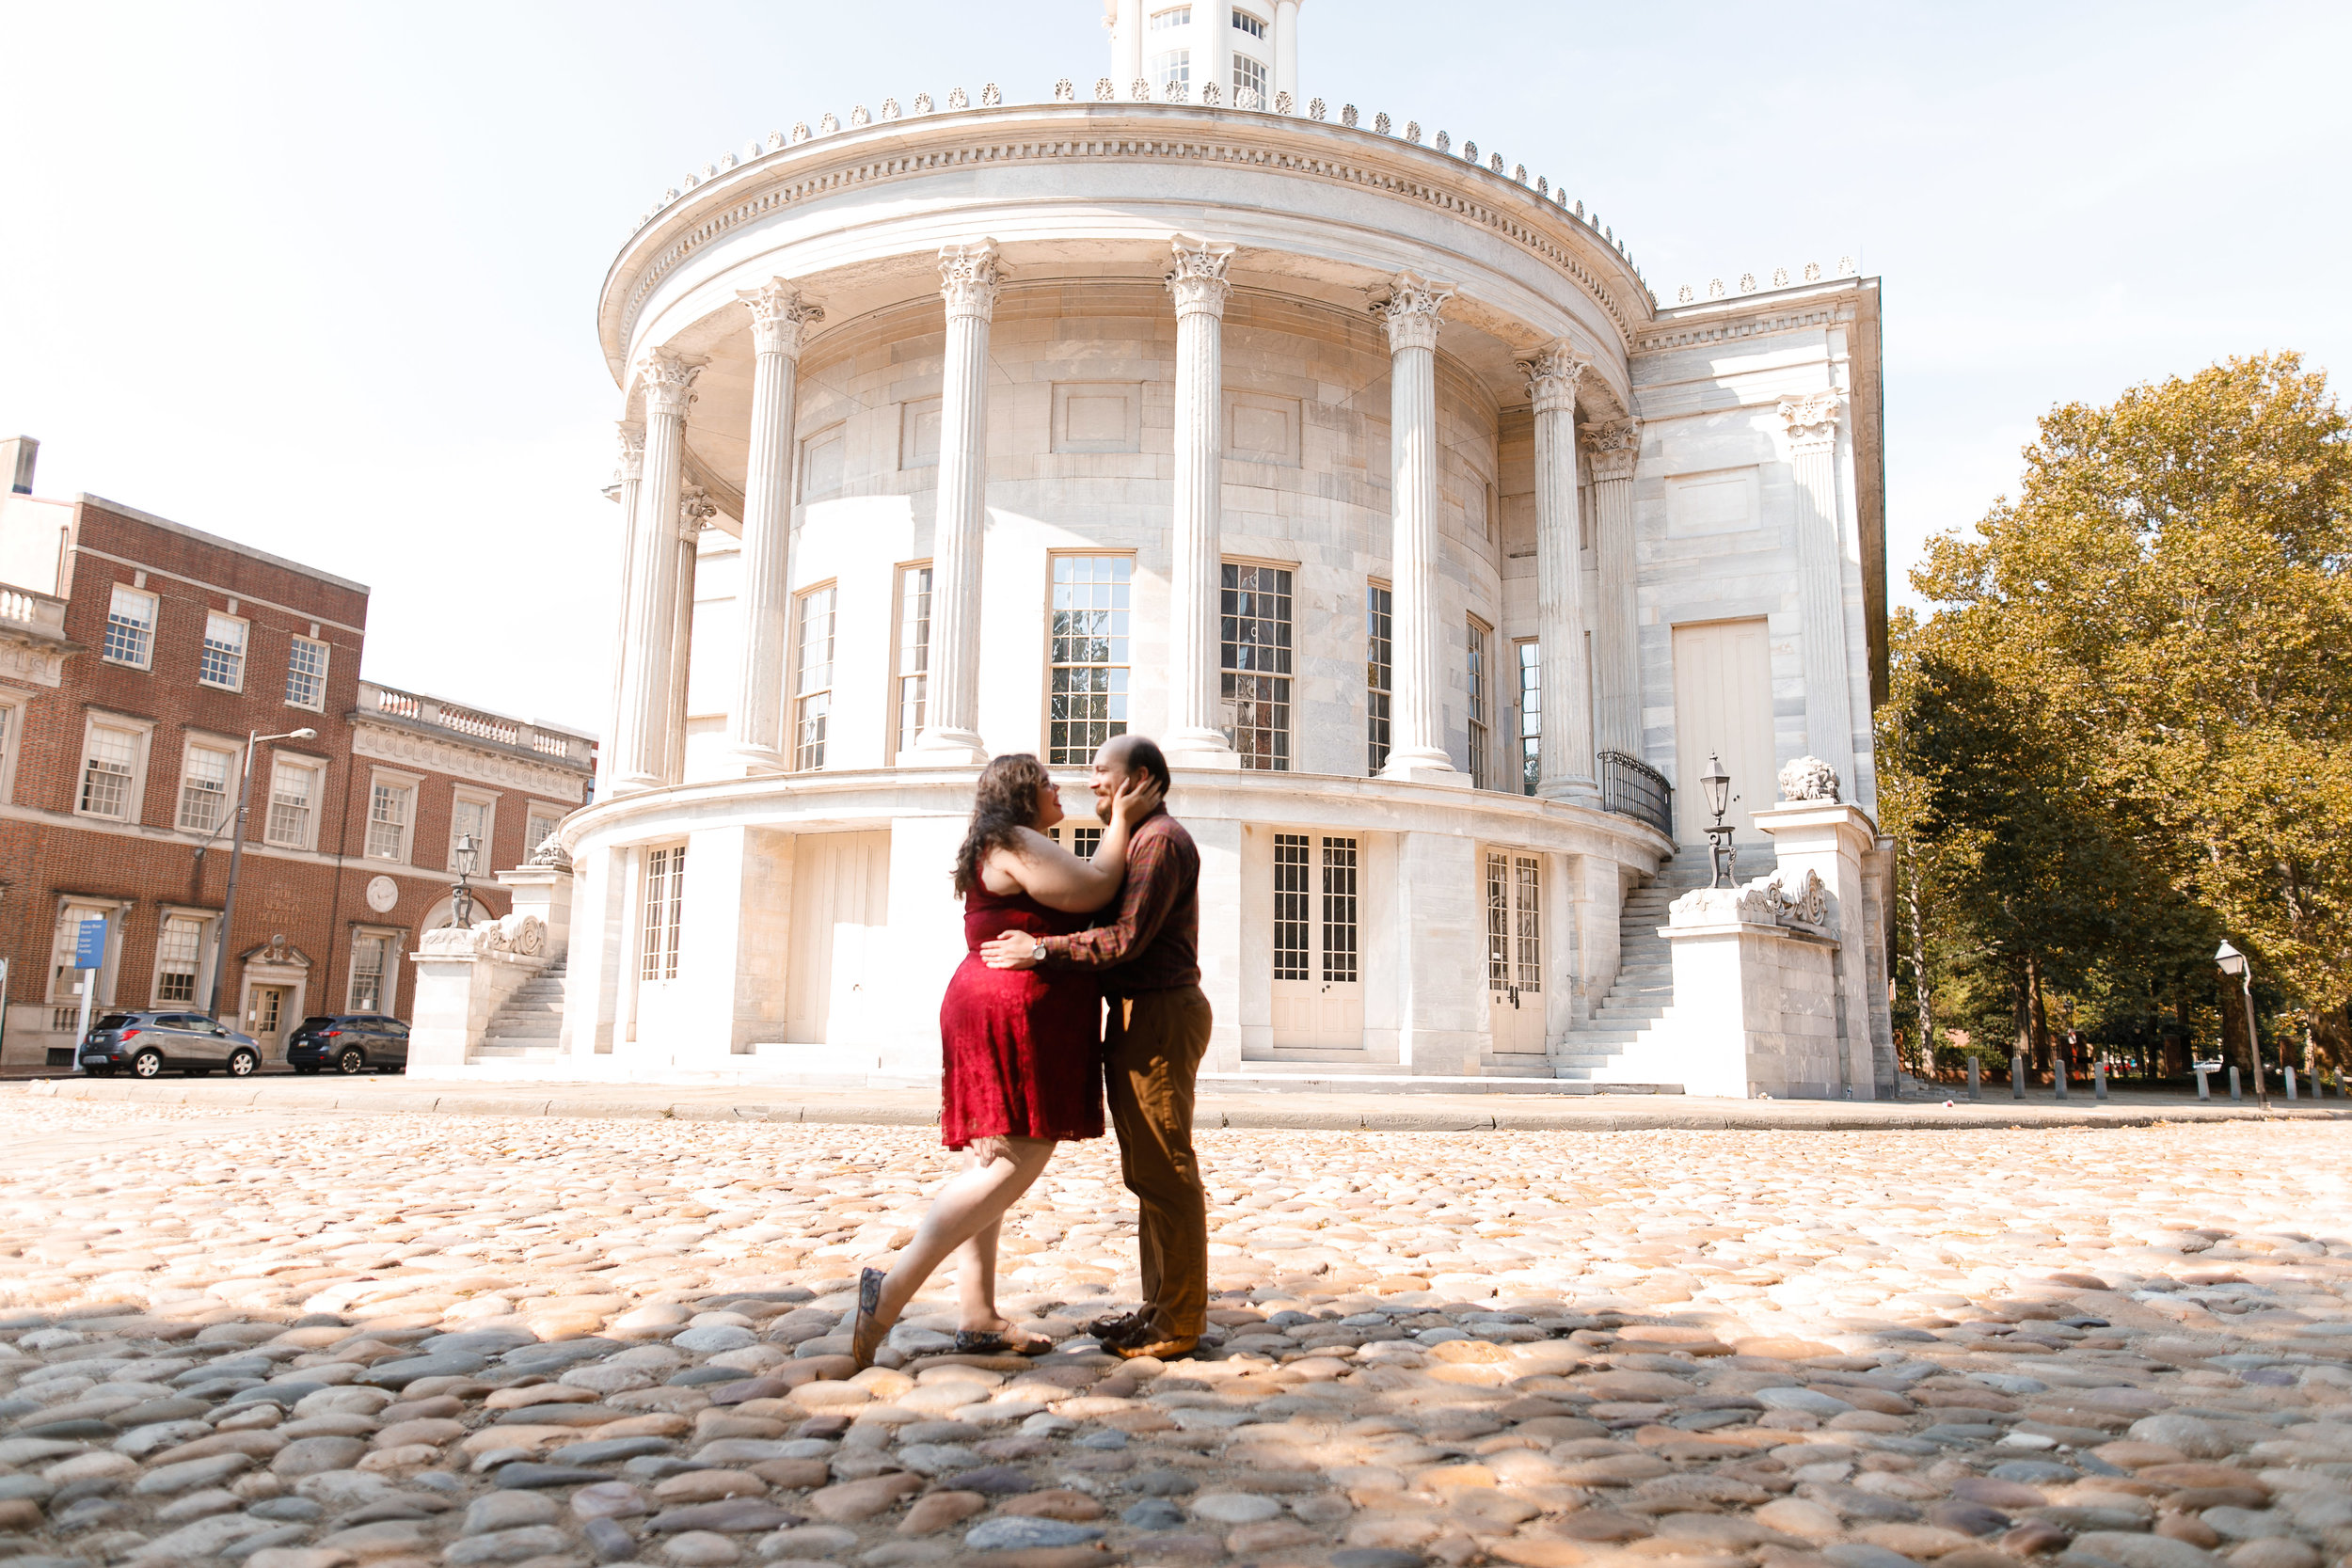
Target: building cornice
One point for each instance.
(890, 150)
(1806, 308)
(383, 738)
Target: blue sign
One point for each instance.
(89, 946)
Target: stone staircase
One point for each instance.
(1644, 985)
(530, 1027)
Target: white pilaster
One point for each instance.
(1198, 283)
(780, 321)
(1812, 424)
(969, 279)
(1564, 746)
(627, 479)
(1127, 46)
(1418, 749)
(1610, 449)
(641, 735)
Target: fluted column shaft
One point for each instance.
(780, 321)
(1419, 637)
(1812, 424)
(969, 280)
(1610, 449)
(1565, 746)
(1199, 288)
(647, 650)
(629, 479)
(695, 511)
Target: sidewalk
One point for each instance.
(1324, 1111)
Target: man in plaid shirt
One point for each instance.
(1158, 1030)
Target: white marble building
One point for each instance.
(1362, 469)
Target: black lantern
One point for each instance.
(1722, 860)
(467, 856)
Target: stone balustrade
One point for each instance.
(541, 742)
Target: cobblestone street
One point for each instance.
(303, 1340)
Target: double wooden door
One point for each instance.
(1514, 950)
(1318, 974)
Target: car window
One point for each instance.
(114, 1021)
(184, 1021)
(320, 1022)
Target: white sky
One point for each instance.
(322, 277)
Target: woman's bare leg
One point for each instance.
(976, 1281)
(969, 1204)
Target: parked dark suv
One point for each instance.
(143, 1044)
(348, 1042)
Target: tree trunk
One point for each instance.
(2037, 1015)
(1921, 990)
(2022, 1007)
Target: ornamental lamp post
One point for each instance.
(2233, 964)
(466, 856)
(236, 859)
(1722, 860)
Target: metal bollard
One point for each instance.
(1976, 1088)
(2290, 1083)
(2099, 1079)
(2235, 1096)
(2204, 1092)
(2057, 1076)
(2017, 1077)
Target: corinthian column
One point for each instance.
(968, 280)
(1418, 747)
(1812, 424)
(1610, 449)
(641, 737)
(628, 478)
(694, 510)
(780, 319)
(1565, 746)
(1198, 282)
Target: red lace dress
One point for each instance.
(1020, 1046)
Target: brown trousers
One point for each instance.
(1151, 1055)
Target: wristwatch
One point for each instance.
(1037, 954)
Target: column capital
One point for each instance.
(694, 510)
(632, 439)
(1811, 419)
(780, 317)
(969, 278)
(1612, 445)
(668, 379)
(1197, 281)
(1552, 372)
(1413, 308)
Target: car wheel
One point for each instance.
(351, 1061)
(147, 1064)
(242, 1063)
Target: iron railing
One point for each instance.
(1633, 788)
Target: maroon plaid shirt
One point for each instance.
(1154, 940)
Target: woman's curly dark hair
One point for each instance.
(1005, 803)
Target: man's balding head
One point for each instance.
(1120, 757)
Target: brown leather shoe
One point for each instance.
(1110, 1330)
(1172, 1348)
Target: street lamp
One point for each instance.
(2233, 964)
(236, 857)
(1722, 860)
(461, 893)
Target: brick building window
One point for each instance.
(538, 827)
(293, 789)
(179, 953)
(391, 807)
(306, 674)
(109, 771)
(130, 628)
(812, 701)
(204, 788)
(477, 815)
(1379, 673)
(665, 903)
(371, 955)
(222, 663)
(1255, 659)
(1087, 647)
(11, 722)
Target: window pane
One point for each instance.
(1254, 656)
(129, 626)
(1379, 608)
(222, 662)
(176, 953)
(1175, 16)
(387, 821)
(291, 787)
(204, 789)
(812, 702)
(1172, 68)
(915, 651)
(1293, 907)
(106, 773)
(665, 894)
(306, 673)
(537, 832)
(1248, 76)
(1243, 22)
(471, 817)
(1339, 910)
(367, 973)
(1477, 652)
(1087, 644)
(1528, 928)
(1530, 714)
(1498, 921)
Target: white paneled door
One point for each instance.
(1723, 707)
(840, 917)
(1514, 951)
(1318, 979)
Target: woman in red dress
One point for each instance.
(1022, 1069)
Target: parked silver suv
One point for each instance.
(144, 1044)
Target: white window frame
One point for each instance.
(813, 703)
(536, 812)
(146, 651)
(245, 650)
(327, 656)
(12, 711)
(142, 732)
(199, 740)
(467, 794)
(295, 762)
(1172, 16)
(390, 778)
(1250, 74)
(910, 688)
(1527, 670)
(1478, 692)
(1249, 23)
(1171, 66)
(1078, 742)
(664, 903)
(388, 981)
(206, 923)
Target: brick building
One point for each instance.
(136, 656)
